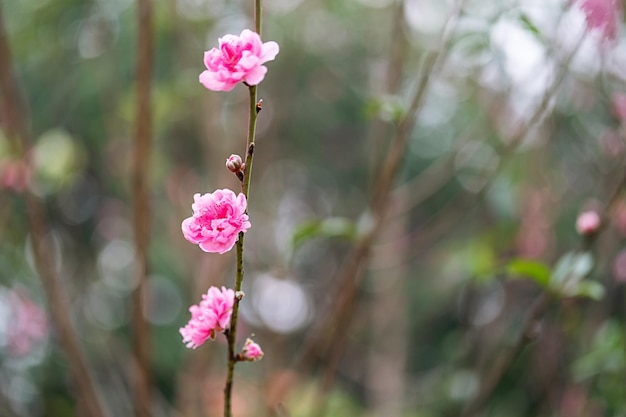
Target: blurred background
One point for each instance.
(522, 128)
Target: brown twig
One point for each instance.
(141, 207)
(15, 126)
(506, 359)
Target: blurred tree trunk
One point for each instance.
(386, 359)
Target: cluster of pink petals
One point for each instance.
(15, 174)
(588, 223)
(603, 16)
(618, 102)
(210, 316)
(217, 220)
(29, 325)
(251, 351)
(238, 58)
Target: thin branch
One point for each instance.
(231, 334)
(504, 361)
(141, 207)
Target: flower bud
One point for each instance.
(588, 223)
(251, 351)
(234, 163)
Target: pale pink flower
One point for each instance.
(211, 315)
(217, 219)
(15, 174)
(29, 324)
(619, 106)
(588, 222)
(619, 267)
(238, 58)
(602, 16)
(251, 351)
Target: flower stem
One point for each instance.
(231, 335)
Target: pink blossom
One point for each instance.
(251, 351)
(210, 316)
(602, 16)
(29, 324)
(619, 267)
(238, 58)
(588, 222)
(619, 106)
(15, 174)
(217, 220)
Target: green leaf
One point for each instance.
(605, 355)
(530, 26)
(589, 289)
(330, 228)
(535, 270)
(570, 270)
(387, 108)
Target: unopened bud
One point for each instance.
(588, 223)
(234, 163)
(251, 351)
(239, 295)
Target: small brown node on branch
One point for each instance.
(251, 149)
(259, 106)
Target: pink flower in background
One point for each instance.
(238, 58)
(28, 324)
(15, 174)
(603, 16)
(619, 106)
(217, 220)
(588, 223)
(619, 267)
(211, 315)
(251, 351)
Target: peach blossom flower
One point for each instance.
(15, 174)
(602, 16)
(619, 267)
(29, 324)
(588, 222)
(618, 102)
(211, 315)
(238, 58)
(217, 220)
